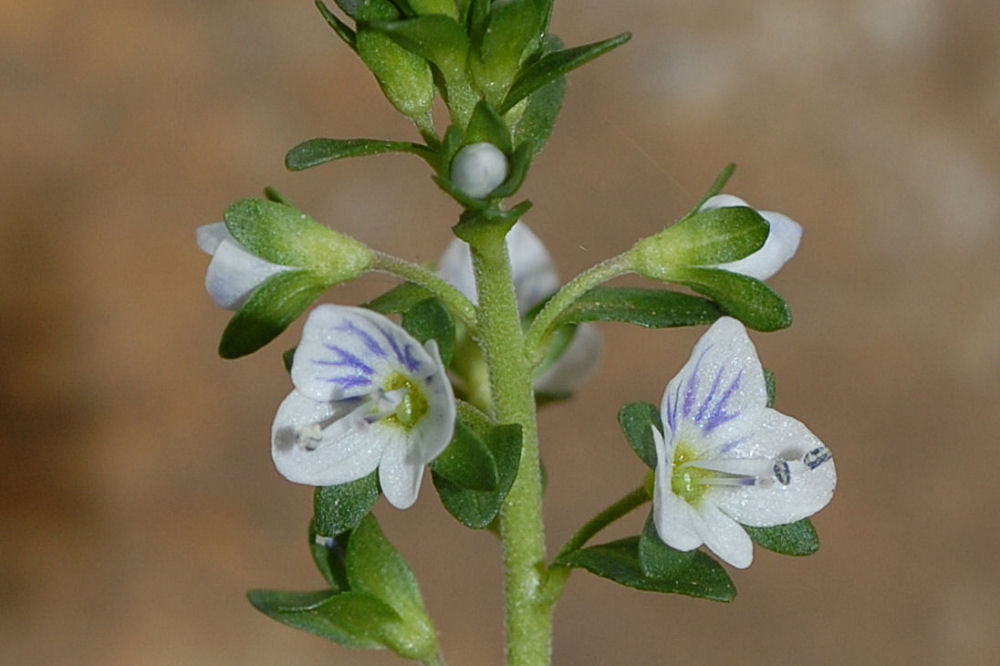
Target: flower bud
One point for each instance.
(478, 169)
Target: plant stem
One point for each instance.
(528, 612)
(559, 574)
(452, 298)
(542, 326)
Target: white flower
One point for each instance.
(478, 169)
(366, 395)
(780, 246)
(726, 459)
(233, 274)
(535, 279)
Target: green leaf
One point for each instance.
(341, 508)
(320, 151)
(430, 320)
(424, 7)
(707, 238)
(513, 32)
(749, 300)
(339, 27)
(798, 539)
(467, 462)
(436, 38)
(473, 222)
(352, 619)
(269, 311)
(658, 560)
(552, 66)
(619, 561)
(539, 116)
(651, 308)
(350, 7)
(519, 163)
(486, 125)
(284, 235)
(399, 299)
(475, 508)
(637, 420)
(374, 566)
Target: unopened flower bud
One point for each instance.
(478, 169)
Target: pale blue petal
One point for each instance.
(718, 391)
(723, 535)
(811, 473)
(578, 361)
(781, 244)
(478, 169)
(674, 518)
(233, 274)
(343, 446)
(348, 351)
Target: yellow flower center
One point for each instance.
(688, 482)
(411, 408)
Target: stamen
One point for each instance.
(782, 473)
(816, 457)
(309, 437)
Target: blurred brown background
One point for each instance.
(138, 497)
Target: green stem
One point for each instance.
(528, 612)
(452, 298)
(541, 327)
(558, 574)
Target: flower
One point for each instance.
(535, 279)
(233, 274)
(781, 244)
(725, 458)
(478, 169)
(367, 395)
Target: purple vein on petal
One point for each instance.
(719, 414)
(692, 384)
(365, 337)
(406, 359)
(345, 359)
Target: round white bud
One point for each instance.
(478, 169)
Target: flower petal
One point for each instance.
(209, 236)
(234, 274)
(674, 518)
(531, 266)
(781, 244)
(723, 535)
(348, 351)
(577, 362)
(721, 385)
(810, 471)
(400, 474)
(346, 449)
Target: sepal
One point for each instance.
(798, 539)
(314, 152)
(341, 508)
(649, 308)
(637, 420)
(620, 561)
(430, 320)
(751, 301)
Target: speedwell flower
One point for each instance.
(367, 395)
(725, 458)
(535, 279)
(782, 240)
(233, 274)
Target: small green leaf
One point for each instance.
(519, 163)
(749, 300)
(286, 236)
(798, 539)
(269, 311)
(430, 320)
(486, 125)
(539, 116)
(338, 509)
(320, 151)
(651, 308)
(474, 508)
(375, 567)
(618, 561)
(399, 299)
(658, 560)
(637, 420)
(436, 38)
(513, 31)
(350, 7)
(424, 7)
(352, 619)
(552, 66)
(467, 462)
(488, 220)
(339, 27)
(707, 238)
